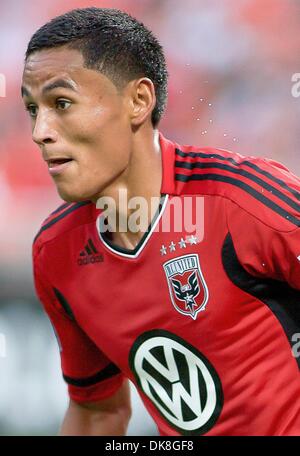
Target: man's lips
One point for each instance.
(57, 160)
(58, 165)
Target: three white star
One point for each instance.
(192, 240)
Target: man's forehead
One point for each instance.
(55, 56)
(48, 63)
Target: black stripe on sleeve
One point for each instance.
(64, 303)
(60, 208)
(242, 172)
(282, 300)
(109, 371)
(273, 178)
(243, 163)
(61, 216)
(238, 183)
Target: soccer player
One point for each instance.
(203, 319)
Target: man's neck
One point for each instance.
(136, 193)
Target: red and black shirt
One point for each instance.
(203, 322)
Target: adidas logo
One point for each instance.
(89, 255)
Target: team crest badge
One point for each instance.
(188, 290)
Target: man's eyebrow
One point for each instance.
(53, 85)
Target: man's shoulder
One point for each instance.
(64, 219)
(263, 187)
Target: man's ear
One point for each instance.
(142, 100)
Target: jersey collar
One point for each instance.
(134, 253)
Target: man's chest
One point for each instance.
(175, 282)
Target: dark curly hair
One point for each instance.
(112, 42)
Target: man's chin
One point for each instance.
(73, 197)
(74, 194)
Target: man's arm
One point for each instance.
(106, 417)
(99, 392)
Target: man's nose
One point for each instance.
(43, 131)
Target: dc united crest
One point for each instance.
(188, 290)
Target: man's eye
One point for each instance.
(32, 109)
(63, 104)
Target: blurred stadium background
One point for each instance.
(230, 65)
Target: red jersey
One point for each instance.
(205, 325)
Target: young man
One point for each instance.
(204, 321)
